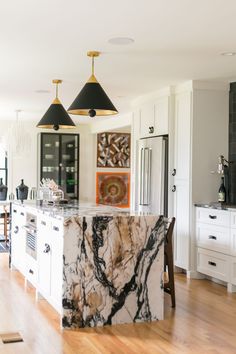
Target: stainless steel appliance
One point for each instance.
(31, 235)
(152, 172)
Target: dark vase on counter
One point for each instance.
(22, 191)
(3, 190)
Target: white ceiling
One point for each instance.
(175, 40)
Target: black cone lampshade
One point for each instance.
(92, 99)
(56, 116)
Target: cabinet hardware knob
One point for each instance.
(47, 248)
(31, 271)
(55, 228)
(32, 220)
(212, 216)
(43, 223)
(212, 237)
(151, 130)
(22, 214)
(212, 263)
(16, 230)
(174, 172)
(14, 211)
(174, 188)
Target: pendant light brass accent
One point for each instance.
(92, 99)
(56, 116)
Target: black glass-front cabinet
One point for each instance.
(59, 160)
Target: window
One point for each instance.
(3, 165)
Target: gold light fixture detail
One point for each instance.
(56, 116)
(92, 100)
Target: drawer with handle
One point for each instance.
(213, 216)
(214, 237)
(31, 271)
(214, 264)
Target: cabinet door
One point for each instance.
(18, 241)
(181, 231)
(44, 256)
(182, 135)
(69, 164)
(147, 120)
(161, 116)
(50, 156)
(56, 263)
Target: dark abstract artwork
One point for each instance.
(113, 150)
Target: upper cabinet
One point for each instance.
(154, 117)
(59, 160)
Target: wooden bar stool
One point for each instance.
(169, 282)
(5, 216)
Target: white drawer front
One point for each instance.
(216, 238)
(214, 264)
(31, 270)
(233, 242)
(233, 219)
(213, 216)
(233, 270)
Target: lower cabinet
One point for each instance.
(50, 260)
(18, 239)
(215, 241)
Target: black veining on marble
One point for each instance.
(137, 282)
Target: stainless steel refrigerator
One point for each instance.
(152, 173)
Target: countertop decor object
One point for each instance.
(113, 189)
(22, 191)
(56, 116)
(3, 190)
(92, 100)
(113, 150)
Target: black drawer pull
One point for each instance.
(43, 223)
(212, 216)
(212, 237)
(151, 130)
(22, 213)
(31, 271)
(14, 211)
(16, 230)
(55, 228)
(212, 263)
(32, 220)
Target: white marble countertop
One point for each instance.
(79, 209)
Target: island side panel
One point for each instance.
(112, 270)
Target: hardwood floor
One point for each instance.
(204, 322)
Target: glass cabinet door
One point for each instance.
(60, 161)
(69, 164)
(50, 157)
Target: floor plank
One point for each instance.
(204, 322)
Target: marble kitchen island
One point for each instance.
(95, 264)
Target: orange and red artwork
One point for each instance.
(113, 189)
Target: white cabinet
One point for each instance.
(154, 117)
(199, 106)
(215, 235)
(44, 255)
(57, 263)
(18, 239)
(50, 260)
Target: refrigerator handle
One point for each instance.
(149, 175)
(141, 177)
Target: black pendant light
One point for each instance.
(56, 116)
(92, 99)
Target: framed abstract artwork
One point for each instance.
(113, 189)
(113, 150)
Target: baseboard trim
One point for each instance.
(193, 274)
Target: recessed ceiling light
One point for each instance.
(42, 91)
(228, 54)
(121, 40)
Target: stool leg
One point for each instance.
(171, 280)
(5, 227)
